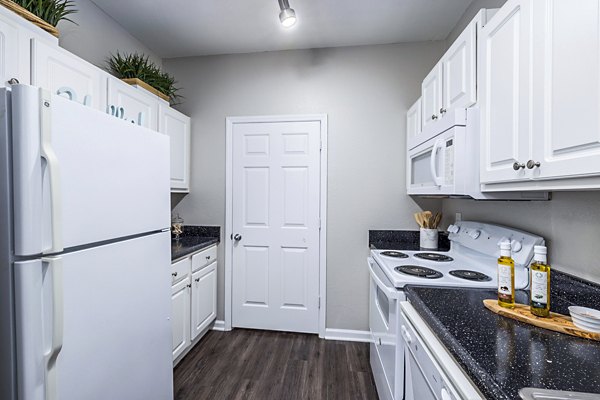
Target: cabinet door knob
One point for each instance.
(532, 164)
(208, 257)
(517, 166)
(434, 117)
(197, 279)
(189, 285)
(174, 274)
(443, 110)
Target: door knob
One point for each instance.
(532, 164)
(237, 237)
(517, 166)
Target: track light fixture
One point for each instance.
(287, 16)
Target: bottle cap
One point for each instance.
(505, 246)
(540, 250)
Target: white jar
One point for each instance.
(428, 238)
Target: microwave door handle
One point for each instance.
(436, 146)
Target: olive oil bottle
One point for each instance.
(506, 277)
(540, 283)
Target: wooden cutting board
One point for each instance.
(555, 322)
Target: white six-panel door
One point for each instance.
(275, 212)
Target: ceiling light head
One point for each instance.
(287, 16)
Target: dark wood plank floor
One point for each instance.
(262, 365)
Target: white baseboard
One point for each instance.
(219, 325)
(347, 335)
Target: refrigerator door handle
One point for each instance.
(56, 287)
(49, 155)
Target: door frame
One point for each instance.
(230, 122)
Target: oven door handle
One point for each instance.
(390, 292)
(437, 180)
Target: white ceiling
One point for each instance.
(179, 28)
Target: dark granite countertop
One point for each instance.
(502, 355)
(403, 240)
(193, 239)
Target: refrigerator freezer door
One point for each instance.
(102, 330)
(82, 176)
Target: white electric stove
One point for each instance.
(470, 262)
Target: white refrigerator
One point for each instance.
(84, 253)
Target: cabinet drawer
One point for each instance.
(180, 270)
(204, 258)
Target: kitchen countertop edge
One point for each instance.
(203, 243)
(481, 379)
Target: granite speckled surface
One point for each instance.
(194, 238)
(403, 240)
(502, 355)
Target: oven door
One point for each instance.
(383, 322)
(432, 167)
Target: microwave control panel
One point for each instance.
(449, 162)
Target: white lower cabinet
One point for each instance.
(193, 299)
(180, 315)
(204, 296)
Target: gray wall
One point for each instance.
(97, 35)
(365, 91)
(469, 14)
(570, 223)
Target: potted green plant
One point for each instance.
(137, 69)
(46, 14)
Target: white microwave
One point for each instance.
(443, 160)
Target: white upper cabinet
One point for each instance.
(540, 92)
(459, 83)
(451, 84)
(61, 72)
(566, 88)
(504, 80)
(16, 34)
(431, 96)
(9, 53)
(413, 124)
(177, 127)
(134, 105)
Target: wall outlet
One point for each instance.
(457, 217)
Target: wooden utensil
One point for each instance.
(427, 218)
(418, 219)
(437, 219)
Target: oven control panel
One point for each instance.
(486, 238)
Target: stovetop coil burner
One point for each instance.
(419, 271)
(395, 254)
(470, 275)
(434, 257)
